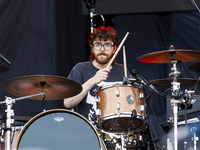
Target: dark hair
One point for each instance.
(105, 33)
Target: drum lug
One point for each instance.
(98, 99)
(98, 112)
(118, 106)
(117, 92)
(141, 107)
(141, 95)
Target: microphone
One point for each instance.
(143, 81)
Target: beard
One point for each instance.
(102, 58)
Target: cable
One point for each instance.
(102, 17)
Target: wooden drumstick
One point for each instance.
(110, 62)
(124, 58)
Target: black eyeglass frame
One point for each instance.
(102, 45)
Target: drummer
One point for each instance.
(94, 73)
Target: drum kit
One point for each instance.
(121, 121)
(178, 98)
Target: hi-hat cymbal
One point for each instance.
(55, 87)
(195, 66)
(3, 68)
(167, 55)
(166, 83)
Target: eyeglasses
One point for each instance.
(107, 46)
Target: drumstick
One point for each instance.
(124, 58)
(110, 62)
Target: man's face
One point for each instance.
(103, 51)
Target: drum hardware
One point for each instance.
(2, 140)
(117, 92)
(172, 56)
(185, 145)
(126, 80)
(194, 138)
(142, 139)
(118, 141)
(175, 100)
(133, 115)
(144, 82)
(9, 116)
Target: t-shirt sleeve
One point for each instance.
(75, 74)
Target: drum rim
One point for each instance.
(119, 84)
(25, 127)
(116, 115)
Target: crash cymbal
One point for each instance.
(3, 68)
(167, 55)
(55, 87)
(195, 66)
(166, 83)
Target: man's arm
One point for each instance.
(100, 75)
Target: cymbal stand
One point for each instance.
(175, 100)
(9, 113)
(195, 137)
(123, 145)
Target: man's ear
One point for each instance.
(91, 47)
(114, 49)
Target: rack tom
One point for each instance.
(121, 108)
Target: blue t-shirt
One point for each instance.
(86, 70)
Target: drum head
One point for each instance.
(58, 129)
(121, 123)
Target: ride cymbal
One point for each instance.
(195, 66)
(166, 83)
(55, 87)
(167, 55)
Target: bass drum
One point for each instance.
(58, 129)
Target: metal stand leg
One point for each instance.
(175, 112)
(9, 121)
(169, 144)
(123, 145)
(195, 138)
(174, 102)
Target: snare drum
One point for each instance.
(115, 104)
(58, 129)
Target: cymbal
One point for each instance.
(166, 83)
(55, 87)
(167, 55)
(195, 66)
(3, 68)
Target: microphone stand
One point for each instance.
(9, 113)
(91, 7)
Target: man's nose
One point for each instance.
(102, 48)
